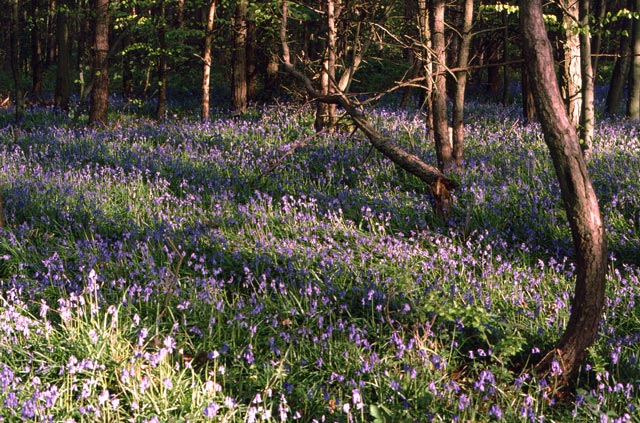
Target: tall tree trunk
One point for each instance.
(633, 105)
(587, 116)
(239, 65)
(16, 60)
(63, 73)
(427, 64)
(580, 202)
(180, 14)
(85, 52)
(326, 113)
(37, 65)
(572, 74)
(600, 12)
(528, 101)
(506, 89)
(252, 52)
(620, 74)
(161, 110)
(100, 88)
(461, 83)
(441, 129)
(410, 18)
(206, 56)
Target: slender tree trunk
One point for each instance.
(410, 18)
(206, 71)
(180, 14)
(161, 110)
(580, 202)
(239, 65)
(587, 117)
(441, 129)
(63, 73)
(427, 64)
(37, 65)
(461, 83)
(16, 60)
(326, 113)
(100, 88)
(252, 51)
(528, 101)
(572, 74)
(600, 12)
(620, 74)
(506, 89)
(84, 58)
(633, 105)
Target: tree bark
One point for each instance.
(16, 60)
(326, 113)
(572, 75)
(100, 88)
(633, 104)
(579, 199)
(239, 65)
(461, 83)
(600, 11)
(161, 110)
(63, 72)
(37, 65)
(620, 73)
(587, 116)
(206, 58)
(506, 89)
(441, 128)
(528, 101)
(252, 51)
(427, 64)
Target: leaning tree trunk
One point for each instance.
(633, 104)
(206, 58)
(441, 128)
(579, 198)
(100, 89)
(440, 185)
(587, 116)
(461, 83)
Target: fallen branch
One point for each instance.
(440, 185)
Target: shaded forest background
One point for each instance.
(154, 52)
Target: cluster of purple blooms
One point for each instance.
(321, 291)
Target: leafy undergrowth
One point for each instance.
(154, 273)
